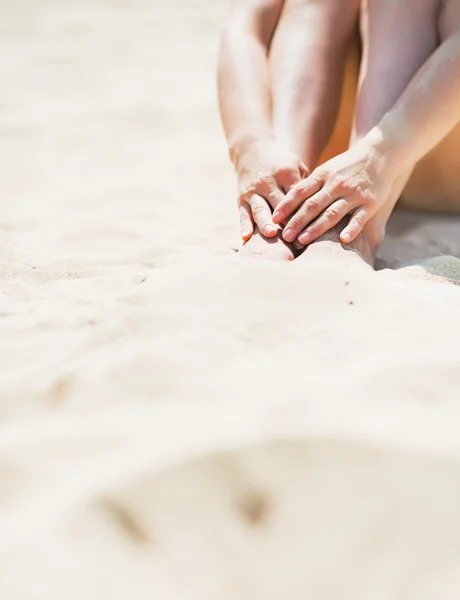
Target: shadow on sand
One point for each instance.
(427, 240)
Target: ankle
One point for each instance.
(374, 233)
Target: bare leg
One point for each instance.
(397, 37)
(329, 246)
(307, 65)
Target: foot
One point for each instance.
(329, 246)
(260, 246)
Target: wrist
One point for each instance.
(241, 146)
(387, 150)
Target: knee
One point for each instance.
(336, 18)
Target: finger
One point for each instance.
(310, 209)
(297, 245)
(304, 172)
(274, 197)
(262, 215)
(286, 178)
(355, 226)
(246, 223)
(266, 187)
(296, 196)
(328, 219)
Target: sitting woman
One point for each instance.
(280, 82)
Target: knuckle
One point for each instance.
(313, 205)
(363, 194)
(284, 207)
(361, 189)
(320, 174)
(315, 229)
(333, 212)
(287, 171)
(298, 188)
(340, 182)
(294, 193)
(258, 210)
(263, 183)
(368, 198)
(297, 222)
(245, 195)
(359, 221)
(345, 184)
(320, 177)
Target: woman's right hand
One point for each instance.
(266, 172)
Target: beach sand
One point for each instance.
(177, 422)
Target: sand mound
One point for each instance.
(178, 423)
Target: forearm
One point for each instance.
(307, 64)
(243, 75)
(426, 112)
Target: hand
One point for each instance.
(266, 172)
(359, 182)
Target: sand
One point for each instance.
(177, 422)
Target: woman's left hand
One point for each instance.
(359, 182)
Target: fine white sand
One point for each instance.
(178, 423)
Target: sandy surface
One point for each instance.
(176, 422)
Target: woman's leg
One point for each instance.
(397, 37)
(307, 69)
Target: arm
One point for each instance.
(426, 112)
(245, 107)
(307, 64)
(243, 76)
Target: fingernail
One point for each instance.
(289, 235)
(245, 234)
(277, 218)
(270, 229)
(345, 238)
(304, 238)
